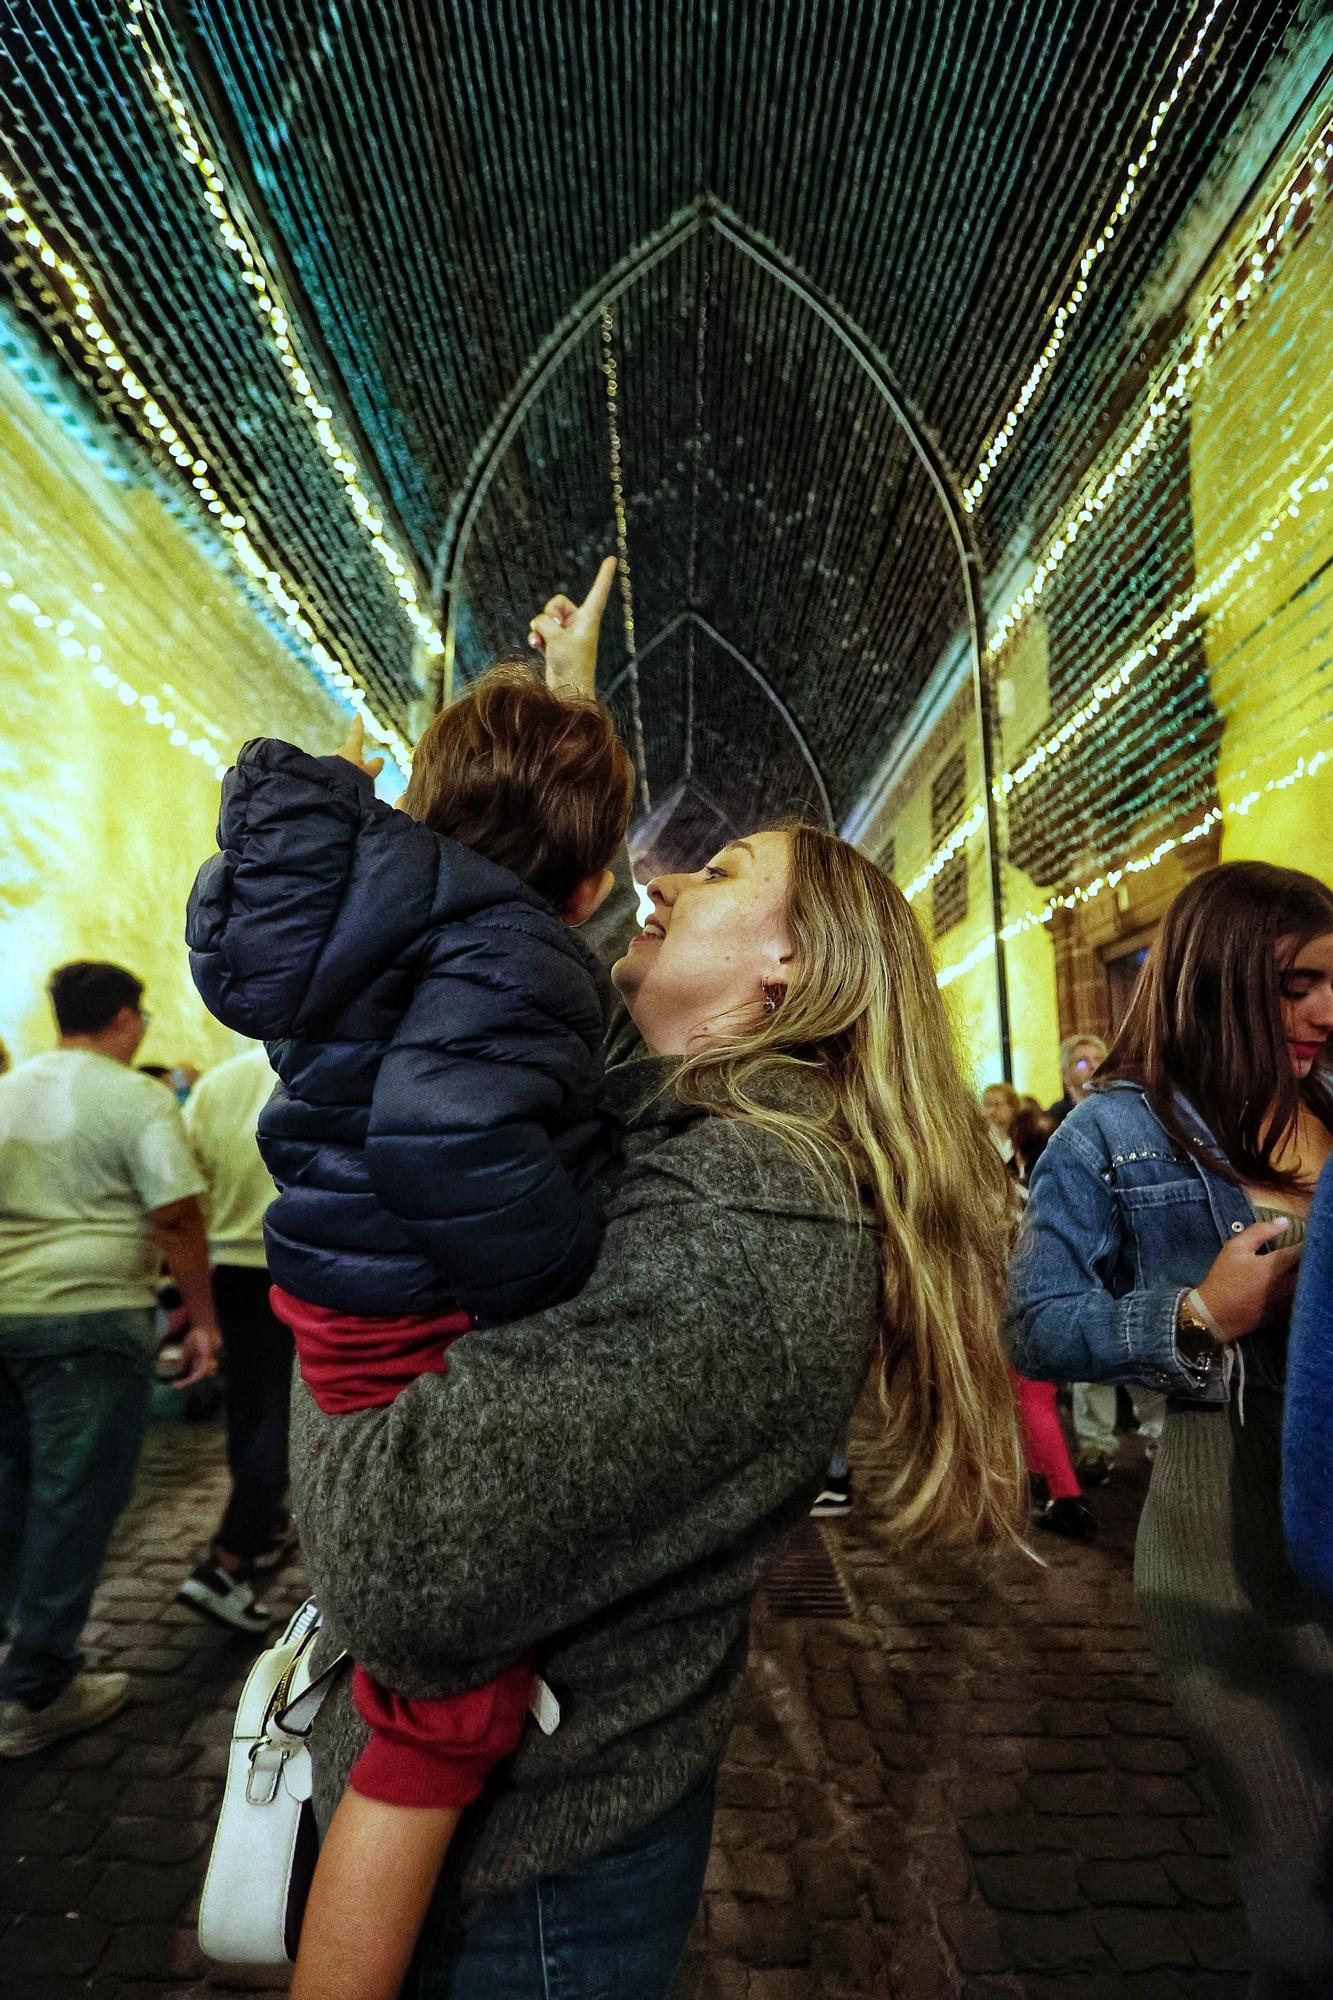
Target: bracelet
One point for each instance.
(1194, 1300)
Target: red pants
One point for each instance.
(1044, 1444)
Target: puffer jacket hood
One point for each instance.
(437, 1033)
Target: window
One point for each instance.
(948, 802)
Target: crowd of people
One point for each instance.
(1020, 1128)
(583, 1277)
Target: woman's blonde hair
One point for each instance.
(863, 1011)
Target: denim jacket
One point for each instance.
(1120, 1224)
(1307, 1439)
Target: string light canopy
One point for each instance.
(372, 264)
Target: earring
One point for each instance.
(772, 996)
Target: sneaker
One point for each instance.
(1094, 1470)
(1069, 1517)
(834, 1497)
(228, 1599)
(89, 1699)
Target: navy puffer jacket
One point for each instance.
(437, 1032)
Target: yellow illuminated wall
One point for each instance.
(1263, 417)
(1034, 1027)
(104, 818)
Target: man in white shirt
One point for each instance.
(254, 1536)
(97, 1188)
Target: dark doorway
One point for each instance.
(1122, 976)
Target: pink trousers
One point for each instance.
(1044, 1444)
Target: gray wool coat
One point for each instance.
(601, 1483)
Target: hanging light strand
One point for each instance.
(1139, 864)
(1096, 248)
(276, 318)
(1257, 259)
(1181, 617)
(611, 372)
(156, 426)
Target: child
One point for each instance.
(437, 1031)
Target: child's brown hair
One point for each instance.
(535, 780)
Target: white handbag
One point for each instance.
(266, 1844)
(265, 1847)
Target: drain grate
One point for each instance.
(803, 1581)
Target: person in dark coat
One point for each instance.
(437, 1029)
(435, 1024)
(1307, 1431)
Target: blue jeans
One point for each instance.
(612, 1928)
(74, 1394)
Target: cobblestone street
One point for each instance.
(951, 1792)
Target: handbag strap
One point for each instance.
(298, 1717)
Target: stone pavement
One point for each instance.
(958, 1791)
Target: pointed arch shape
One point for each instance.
(757, 674)
(707, 212)
(704, 213)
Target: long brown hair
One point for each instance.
(1206, 1019)
(863, 1011)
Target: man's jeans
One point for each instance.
(257, 1349)
(74, 1400)
(608, 1929)
(1094, 1417)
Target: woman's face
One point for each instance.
(996, 1105)
(1307, 1001)
(699, 965)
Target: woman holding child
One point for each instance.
(802, 1190)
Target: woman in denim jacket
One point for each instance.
(1160, 1246)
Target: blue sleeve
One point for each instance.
(1071, 1317)
(264, 908)
(1307, 1443)
(486, 1069)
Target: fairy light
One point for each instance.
(971, 823)
(156, 711)
(611, 372)
(153, 422)
(1098, 885)
(800, 440)
(1181, 616)
(1077, 297)
(277, 321)
(1258, 256)
(1108, 690)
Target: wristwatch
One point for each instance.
(1195, 1342)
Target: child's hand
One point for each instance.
(354, 750)
(566, 633)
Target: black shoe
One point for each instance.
(833, 1497)
(1094, 1470)
(228, 1599)
(280, 1549)
(1069, 1517)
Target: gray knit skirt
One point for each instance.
(1249, 1662)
